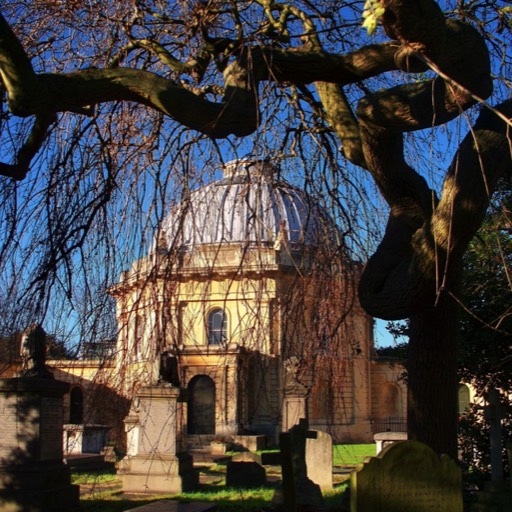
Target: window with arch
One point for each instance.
(217, 327)
(464, 396)
(139, 335)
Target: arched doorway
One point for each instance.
(201, 405)
(76, 406)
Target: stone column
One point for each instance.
(155, 463)
(33, 475)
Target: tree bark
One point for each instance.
(417, 271)
(432, 375)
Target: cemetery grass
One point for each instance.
(229, 500)
(101, 490)
(226, 499)
(351, 454)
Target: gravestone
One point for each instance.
(155, 462)
(245, 474)
(33, 476)
(406, 476)
(319, 458)
(299, 492)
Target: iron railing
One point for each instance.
(389, 424)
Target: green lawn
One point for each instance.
(101, 492)
(352, 453)
(227, 500)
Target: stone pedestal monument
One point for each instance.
(295, 398)
(32, 473)
(155, 462)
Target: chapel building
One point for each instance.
(247, 299)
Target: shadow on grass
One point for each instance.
(225, 498)
(111, 505)
(105, 494)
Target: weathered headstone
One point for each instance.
(299, 492)
(155, 463)
(319, 458)
(245, 474)
(33, 475)
(406, 477)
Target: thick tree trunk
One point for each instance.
(432, 376)
(415, 271)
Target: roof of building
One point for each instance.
(249, 205)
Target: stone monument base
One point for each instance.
(40, 487)
(158, 475)
(33, 476)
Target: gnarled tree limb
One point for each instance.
(237, 113)
(403, 276)
(410, 265)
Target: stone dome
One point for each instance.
(249, 205)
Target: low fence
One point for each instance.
(389, 424)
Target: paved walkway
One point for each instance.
(174, 506)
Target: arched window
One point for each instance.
(139, 335)
(76, 406)
(217, 327)
(463, 398)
